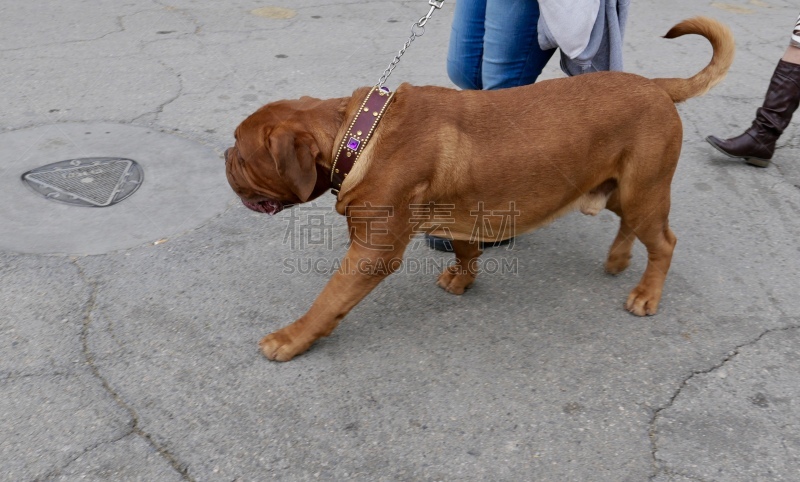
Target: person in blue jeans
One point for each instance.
(493, 45)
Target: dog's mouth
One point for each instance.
(268, 206)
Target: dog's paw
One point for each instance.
(643, 302)
(455, 282)
(616, 264)
(279, 346)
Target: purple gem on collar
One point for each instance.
(385, 89)
(353, 143)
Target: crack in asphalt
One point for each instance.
(56, 472)
(64, 42)
(13, 376)
(660, 465)
(672, 473)
(160, 108)
(134, 423)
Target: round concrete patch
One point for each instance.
(184, 185)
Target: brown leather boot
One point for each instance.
(757, 145)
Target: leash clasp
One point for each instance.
(435, 5)
(417, 30)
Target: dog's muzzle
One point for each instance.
(267, 206)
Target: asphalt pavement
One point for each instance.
(128, 333)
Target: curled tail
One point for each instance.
(722, 42)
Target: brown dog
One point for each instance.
(603, 140)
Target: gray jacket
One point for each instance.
(604, 48)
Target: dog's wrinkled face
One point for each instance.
(274, 162)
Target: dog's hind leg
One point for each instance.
(646, 212)
(619, 256)
(644, 299)
(455, 279)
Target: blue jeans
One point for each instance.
(494, 44)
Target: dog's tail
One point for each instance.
(722, 42)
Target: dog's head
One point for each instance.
(276, 162)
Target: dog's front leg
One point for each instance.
(372, 257)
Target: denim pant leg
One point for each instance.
(511, 52)
(465, 50)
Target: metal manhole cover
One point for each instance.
(91, 181)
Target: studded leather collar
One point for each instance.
(358, 134)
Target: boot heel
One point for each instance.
(754, 161)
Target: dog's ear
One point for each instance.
(294, 154)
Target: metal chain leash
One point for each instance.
(417, 30)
